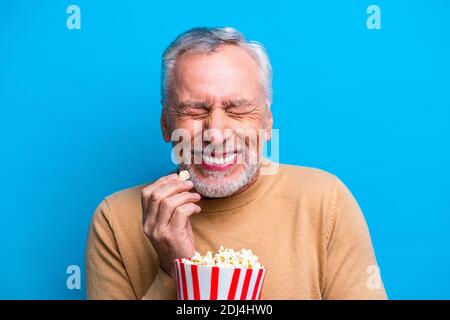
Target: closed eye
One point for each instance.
(239, 107)
(197, 112)
(191, 109)
(240, 110)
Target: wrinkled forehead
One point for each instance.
(229, 73)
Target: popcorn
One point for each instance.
(183, 175)
(225, 275)
(227, 258)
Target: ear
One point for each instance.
(269, 124)
(164, 124)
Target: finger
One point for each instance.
(162, 192)
(161, 181)
(181, 215)
(147, 191)
(169, 204)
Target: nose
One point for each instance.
(215, 127)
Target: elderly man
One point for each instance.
(303, 223)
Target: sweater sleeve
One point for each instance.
(106, 276)
(163, 288)
(351, 268)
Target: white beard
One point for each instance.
(212, 184)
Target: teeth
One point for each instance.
(218, 160)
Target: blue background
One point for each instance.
(80, 120)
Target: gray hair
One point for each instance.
(207, 40)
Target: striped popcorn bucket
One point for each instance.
(218, 283)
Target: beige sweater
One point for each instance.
(302, 223)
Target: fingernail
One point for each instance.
(188, 183)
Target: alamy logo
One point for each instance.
(374, 279)
(374, 19)
(74, 279)
(73, 21)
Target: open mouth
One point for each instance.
(218, 162)
(220, 159)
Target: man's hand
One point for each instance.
(167, 205)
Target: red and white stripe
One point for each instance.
(215, 283)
